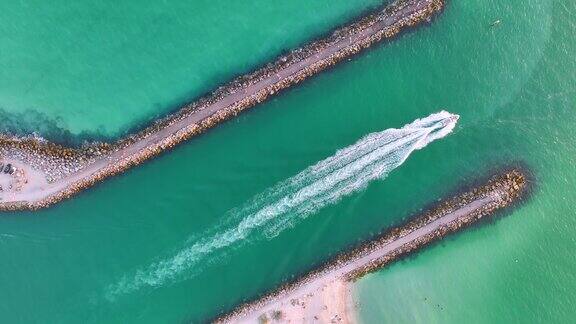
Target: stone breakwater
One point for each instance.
(449, 216)
(68, 171)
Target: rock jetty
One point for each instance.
(54, 172)
(481, 202)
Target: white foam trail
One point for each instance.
(347, 171)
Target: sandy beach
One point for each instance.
(331, 302)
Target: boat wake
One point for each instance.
(268, 214)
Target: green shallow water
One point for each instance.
(100, 69)
(514, 88)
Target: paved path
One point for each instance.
(322, 281)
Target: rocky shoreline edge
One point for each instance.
(59, 163)
(510, 185)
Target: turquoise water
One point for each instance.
(513, 86)
(521, 268)
(98, 69)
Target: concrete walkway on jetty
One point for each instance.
(299, 306)
(325, 295)
(37, 192)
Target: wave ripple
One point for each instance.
(282, 206)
